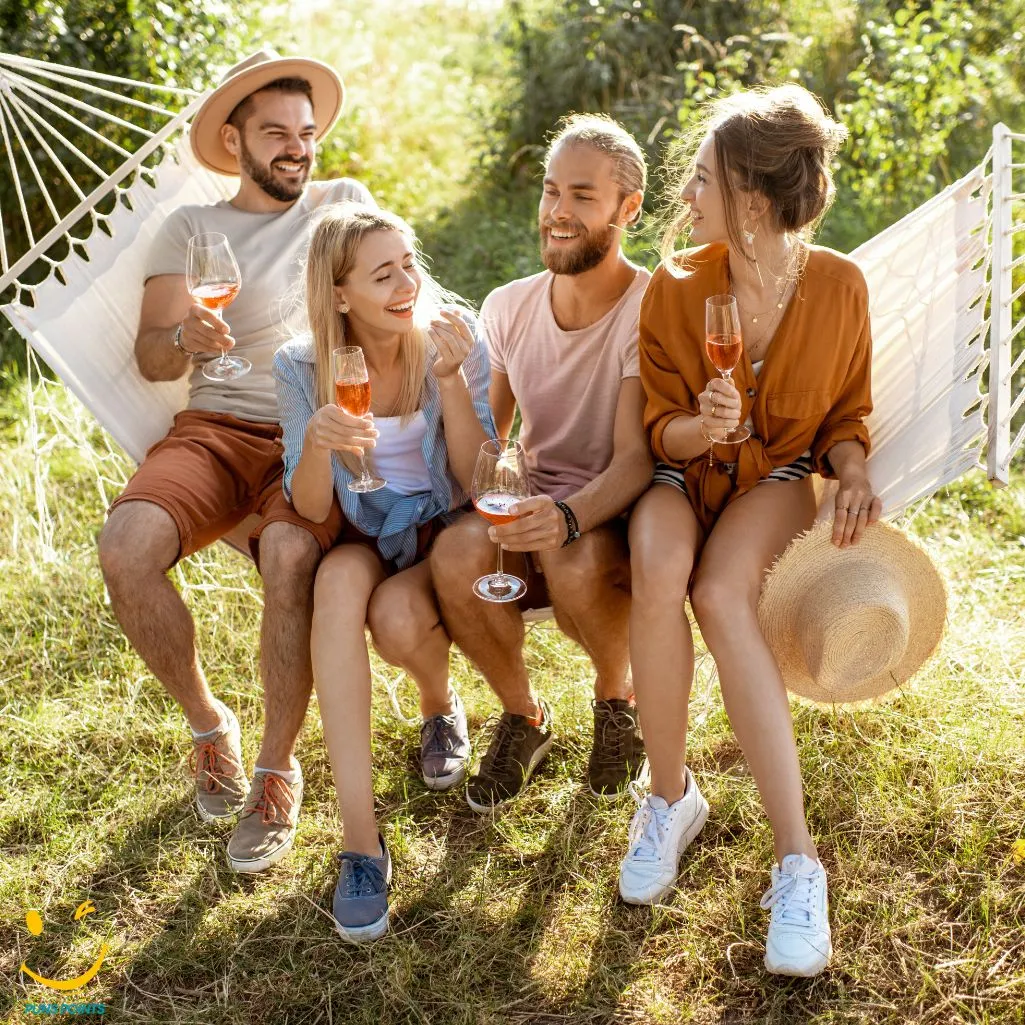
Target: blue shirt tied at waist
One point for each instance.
(390, 517)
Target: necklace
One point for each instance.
(780, 296)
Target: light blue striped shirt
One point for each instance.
(385, 514)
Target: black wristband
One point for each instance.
(572, 529)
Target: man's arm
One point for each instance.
(542, 526)
(166, 303)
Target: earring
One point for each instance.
(342, 307)
(749, 236)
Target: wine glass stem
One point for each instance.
(364, 474)
(500, 571)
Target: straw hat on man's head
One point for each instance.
(248, 77)
(848, 624)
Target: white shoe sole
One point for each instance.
(655, 893)
(363, 933)
(799, 971)
(251, 866)
(535, 760)
(445, 782)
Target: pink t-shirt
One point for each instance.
(566, 383)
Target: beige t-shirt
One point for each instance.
(566, 383)
(268, 249)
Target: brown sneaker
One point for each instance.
(617, 751)
(216, 766)
(266, 827)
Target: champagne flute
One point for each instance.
(213, 279)
(499, 481)
(352, 393)
(724, 345)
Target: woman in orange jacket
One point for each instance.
(757, 184)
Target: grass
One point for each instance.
(916, 802)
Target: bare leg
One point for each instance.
(589, 583)
(406, 628)
(664, 535)
(138, 544)
(288, 560)
(341, 670)
(748, 536)
(489, 633)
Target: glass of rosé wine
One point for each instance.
(213, 280)
(499, 482)
(724, 345)
(352, 393)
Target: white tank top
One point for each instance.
(398, 455)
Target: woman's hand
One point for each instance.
(719, 404)
(452, 338)
(333, 429)
(856, 507)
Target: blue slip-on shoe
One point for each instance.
(360, 902)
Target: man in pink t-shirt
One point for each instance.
(563, 347)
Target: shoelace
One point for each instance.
(274, 800)
(437, 741)
(499, 758)
(648, 829)
(792, 899)
(621, 726)
(361, 876)
(209, 763)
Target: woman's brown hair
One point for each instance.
(779, 142)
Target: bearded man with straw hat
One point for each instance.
(221, 462)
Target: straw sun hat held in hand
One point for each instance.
(849, 624)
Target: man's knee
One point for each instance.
(289, 555)
(138, 538)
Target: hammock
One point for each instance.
(941, 361)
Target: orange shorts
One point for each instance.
(211, 471)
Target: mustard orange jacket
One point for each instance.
(814, 389)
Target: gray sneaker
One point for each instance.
(266, 828)
(360, 902)
(216, 767)
(445, 747)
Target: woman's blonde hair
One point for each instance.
(777, 141)
(338, 233)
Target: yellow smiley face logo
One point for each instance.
(34, 922)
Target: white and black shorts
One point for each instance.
(800, 468)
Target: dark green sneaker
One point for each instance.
(617, 751)
(517, 748)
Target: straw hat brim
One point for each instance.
(205, 131)
(813, 565)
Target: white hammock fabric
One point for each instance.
(928, 276)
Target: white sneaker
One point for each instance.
(659, 834)
(799, 940)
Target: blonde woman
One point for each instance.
(755, 185)
(429, 416)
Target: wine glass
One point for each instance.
(213, 279)
(352, 393)
(725, 346)
(499, 481)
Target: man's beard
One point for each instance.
(590, 249)
(263, 176)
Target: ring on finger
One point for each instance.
(714, 408)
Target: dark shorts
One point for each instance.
(797, 470)
(425, 535)
(213, 470)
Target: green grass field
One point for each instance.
(916, 803)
